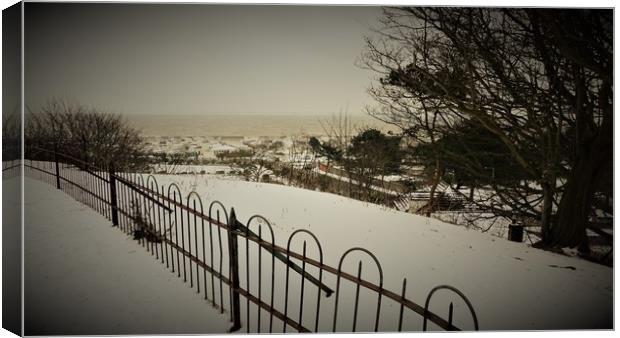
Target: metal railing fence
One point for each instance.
(211, 250)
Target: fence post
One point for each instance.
(234, 271)
(113, 200)
(57, 169)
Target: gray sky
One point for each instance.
(198, 59)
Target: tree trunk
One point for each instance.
(547, 212)
(437, 177)
(576, 203)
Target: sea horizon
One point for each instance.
(246, 124)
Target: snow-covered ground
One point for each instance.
(512, 286)
(82, 276)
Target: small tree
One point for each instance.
(373, 154)
(332, 153)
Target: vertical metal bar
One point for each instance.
(336, 301)
(127, 208)
(106, 196)
(162, 242)
(155, 227)
(94, 182)
(318, 298)
(183, 243)
(211, 252)
(164, 231)
(247, 278)
(121, 195)
(136, 199)
(450, 313)
(100, 194)
(144, 206)
(87, 184)
(76, 193)
(219, 235)
(286, 291)
(402, 305)
(150, 226)
(176, 235)
(234, 270)
(72, 188)
(357, 294)
(93, 190)
(260, 274)
(378, 306)
(79, 179)
(204, 258)
(113, 200)
(273, 262)
(303, 279)
(96, 201)
(196, 247)
(189, 250)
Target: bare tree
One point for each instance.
(85, 133)
(537, 79)
(11, 136)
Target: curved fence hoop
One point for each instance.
(320, 281)
(196, 197)
(178, 190)
(358, 285)
(221, 252)
(371, 256)
(221, 206)
(456, 291)
(140, 180)
(259, 217)
(316, 240)
(149, 181)
(273, 264)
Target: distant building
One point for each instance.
(230, 138)
(223, 148)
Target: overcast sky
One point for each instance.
(198, 59)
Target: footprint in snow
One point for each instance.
(563, 267)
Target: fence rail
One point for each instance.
(211, 251)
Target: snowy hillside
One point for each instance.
(82, 276)
(510, 285)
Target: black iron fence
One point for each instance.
(226, 260)
(11, 168)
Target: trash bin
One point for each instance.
(515, 232)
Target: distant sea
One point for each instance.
(250, 125)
